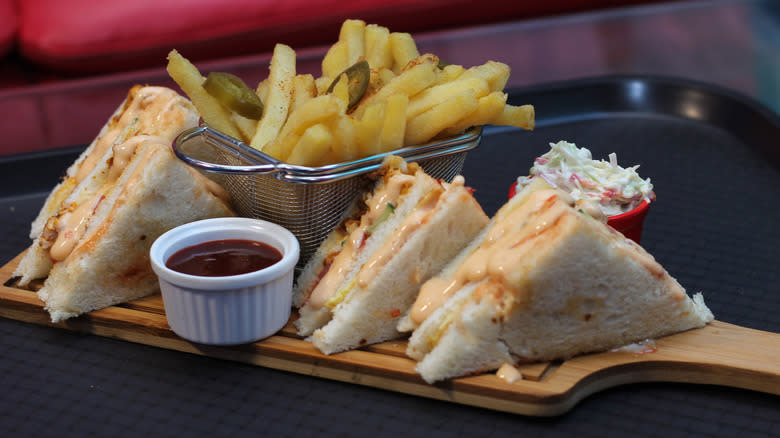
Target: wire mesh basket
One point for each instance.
(308, 201)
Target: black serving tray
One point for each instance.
(714, 158)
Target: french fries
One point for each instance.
(394, 127)
(488, 109)
(369, 130)
(409, 83)
(313, 145)
(410, 98)
(320, 109)
(404, 49)
(335, 61)
(280, 88)
(437, 94)
(378, 51)
(187, 76)
(304, 89)
(425, 126)
(352, 33)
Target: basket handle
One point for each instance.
(260, 163)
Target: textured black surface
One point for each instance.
(714, 227)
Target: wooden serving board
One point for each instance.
(720, 354)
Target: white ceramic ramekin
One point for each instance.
(229, 310)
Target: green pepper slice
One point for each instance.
(233, 93)
(358, 76)
(386, 213)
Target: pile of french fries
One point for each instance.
(410, 99)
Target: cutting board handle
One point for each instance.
(718, 354)
(730, 355)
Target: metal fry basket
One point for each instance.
(308, 201)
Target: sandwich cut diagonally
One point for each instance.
(123, 192)
(544, 281)
(152, 111)
(366, 274)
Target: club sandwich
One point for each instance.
(366, 274)
(92, 236)
(544, 281)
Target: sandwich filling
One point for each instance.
(378, 208)
(63, 232)
(170, 113)
(412, 223)
(530, 218)
(497, 268)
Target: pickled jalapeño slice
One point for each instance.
(358, 76)
(234, 94)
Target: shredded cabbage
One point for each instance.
(613, 188)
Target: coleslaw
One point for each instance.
(613, 188)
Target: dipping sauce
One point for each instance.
(221, 258)
(508, 373)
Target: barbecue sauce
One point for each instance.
(221, 258)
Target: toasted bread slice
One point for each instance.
(410, 321)
(147, 111)
(442, 223)
(557, 283)
(109, 263)
(398, 190)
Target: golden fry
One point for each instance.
(247, 127)
(344, 146)
(404, 50)
(262, 90)
(335, 60)
(394, 127)
(522, 116)
(437, 94)
(317, 110)
(495, 73)
(385, 76)
(488, 108)
(187, 76)
(353, 34)
(282, 70)
(410, 82)
(378, 52)
(322, 83)
(427, 125)
(312, 147)
(341, 91)
(449, 73)
(304, 89)
(369, 130)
